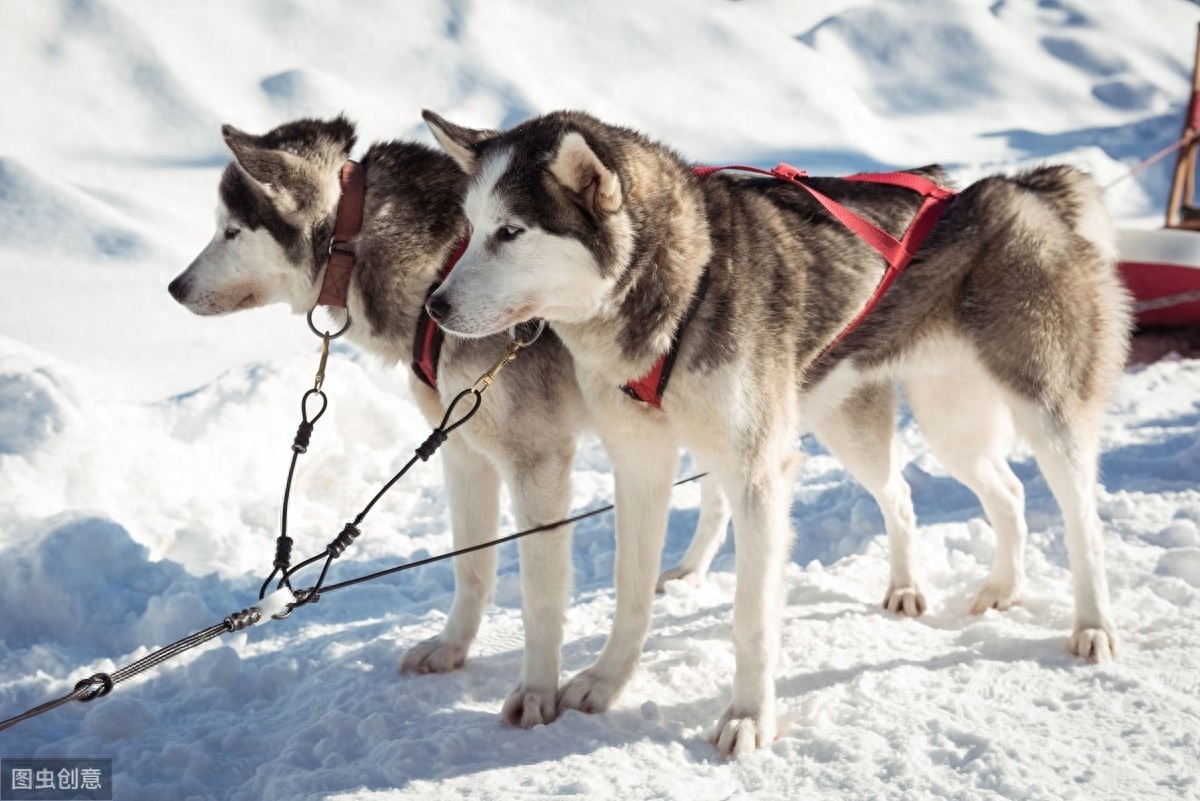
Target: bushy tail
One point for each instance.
(1079, 200)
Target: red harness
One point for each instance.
(898, 253)
(427, 343)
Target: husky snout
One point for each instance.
(438, 306)
(180, 287)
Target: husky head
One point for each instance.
(550, 229)
(275, 217)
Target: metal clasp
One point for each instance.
(320, 379)
(510, 352)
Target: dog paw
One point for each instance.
(740, 733)
(529, 706)
(995, 594)
(680, 573)
(435, 655)
(906, 601)
(590, 691)
(1095, 644)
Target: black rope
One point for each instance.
(99, 685)
(599, 510)
(351, 531)
(300, 443)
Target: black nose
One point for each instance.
(437, 306)
(179, 288)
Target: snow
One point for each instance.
(143, 450)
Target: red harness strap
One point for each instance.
(336, 286)
(898, 253)
(650, 387)
(427, 343)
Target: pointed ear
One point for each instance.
(342, 132)
(270, 168)
(458, 142)
(579, 169)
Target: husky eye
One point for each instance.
(231, 232)
(507, 233)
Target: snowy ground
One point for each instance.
(142, 450)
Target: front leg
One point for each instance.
(473, 493)
(762, 535)
(645, 456)
(541, 492)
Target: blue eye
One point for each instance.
(507, 233)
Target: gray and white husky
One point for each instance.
(275, 217)
(1010, 319)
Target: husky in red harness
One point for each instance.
(1005, 315)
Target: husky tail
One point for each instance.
(1079, 200)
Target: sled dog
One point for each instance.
(1010, 319)
(278, 200)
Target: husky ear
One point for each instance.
(579, 169)
(269, 167)
(458, 142)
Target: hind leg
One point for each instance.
(1067, 450)
(710, 532)
(969, 429)
(859, 433)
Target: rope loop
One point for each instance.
(478, 398)
(308, 396)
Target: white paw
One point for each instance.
(592, 690)
(740, 733)
(686, 575)
(996, 594)
(1098, 644)
(529, 706)
(435, 655)
(906, 601)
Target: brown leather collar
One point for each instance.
(342, 250)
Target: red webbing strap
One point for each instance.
(651, 387)
(898, 253)
(924, 221)
(645, 388)
(427, 344)
(893, 250)
(336, 286)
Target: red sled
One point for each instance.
(1162, 267)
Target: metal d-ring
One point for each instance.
(312, 327)
(541, 327)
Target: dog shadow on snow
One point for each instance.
(438, 727)
(462, 734)
(446, 750)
